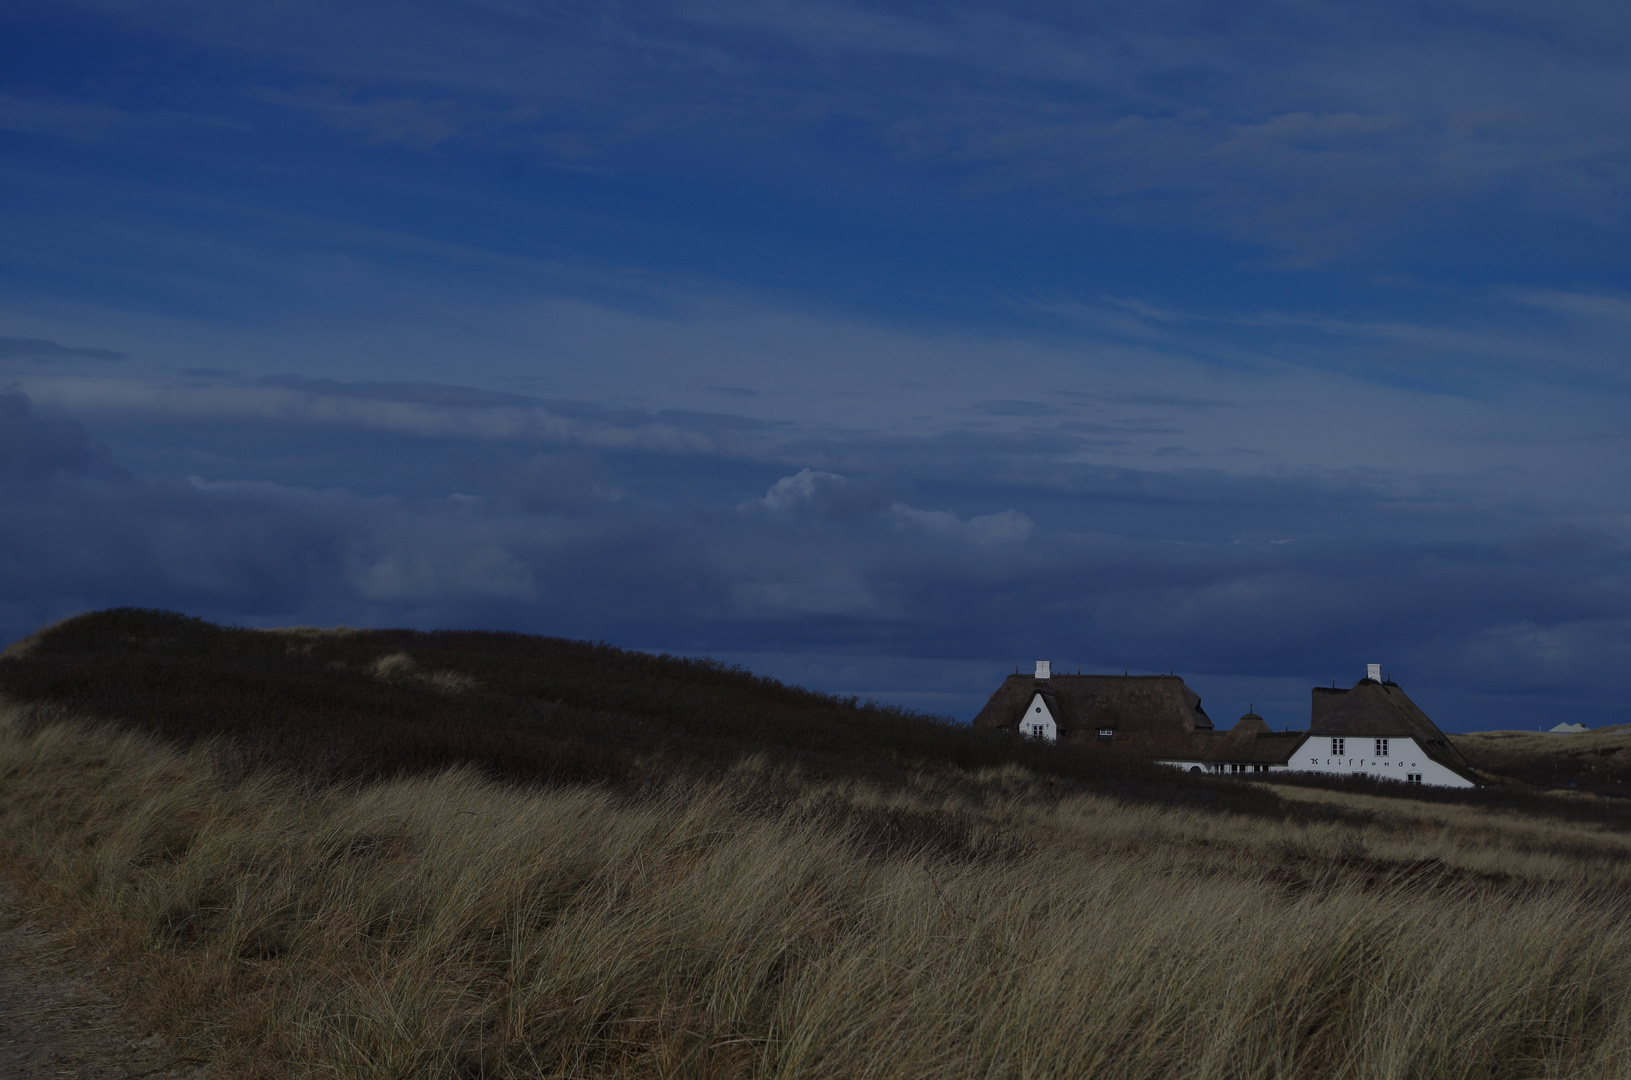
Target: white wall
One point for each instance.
(1223, 768)
(1359, 757)
(1038, 723)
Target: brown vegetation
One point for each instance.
(1599, 759)
(760, 924)
(388, 855)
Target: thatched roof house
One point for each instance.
(1372, 729)
(1374, 714)
(1154, 716)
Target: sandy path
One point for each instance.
(56, 1021)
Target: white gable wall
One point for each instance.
(1356, 755)
(1038, 722)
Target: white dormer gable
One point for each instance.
(1038, 723)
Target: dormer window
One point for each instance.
(1106, 734)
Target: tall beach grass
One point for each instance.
(756, 924)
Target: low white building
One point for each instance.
(1374, 729)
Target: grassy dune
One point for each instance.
(1597, 759)
(760, 923)
(380, 854)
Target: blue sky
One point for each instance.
(879, 347)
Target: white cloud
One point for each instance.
(1612, 308)
(801, 489)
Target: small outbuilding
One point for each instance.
(1251, 746)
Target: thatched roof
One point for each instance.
(1150, 715)
(1251, 742)
(1382, 710)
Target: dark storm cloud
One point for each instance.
(34, 447)
(955, 578)
(1310, 128)
(894, 345)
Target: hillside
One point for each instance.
(376, 855)
(349, 704)
(371, 704)
(1597, 760)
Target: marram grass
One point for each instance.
(744, 926)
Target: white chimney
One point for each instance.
(1373, 671)
(1044, 669)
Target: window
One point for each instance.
(1336, 747)
(1038, 730)
(1381, 748)
(1039, 708)
(1413, 778)
(1107, 733)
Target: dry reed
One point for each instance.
(758, 926)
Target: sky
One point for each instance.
(879, 347)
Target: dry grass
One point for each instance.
(1600, 758)
(400, 667)
(756, 925)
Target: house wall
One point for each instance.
(1223, 768)
(1038, 722)
(1404, 757)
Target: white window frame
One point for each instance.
(1381, 748)
(1337, 747)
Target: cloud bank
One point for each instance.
(883, 347)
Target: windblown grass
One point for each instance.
(761, 923)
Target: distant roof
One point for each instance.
(1568, 728)
(1382, 710)
(1150, 715)
(1251, 742)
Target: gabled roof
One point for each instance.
(1252, 742)
(1149, 715)
(1381, 710)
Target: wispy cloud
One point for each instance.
(39, 349)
